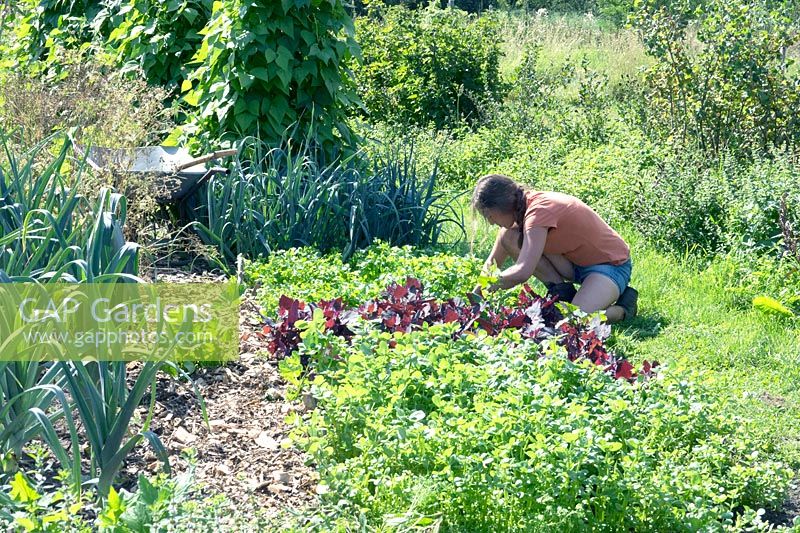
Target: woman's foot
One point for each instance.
(629, 301)
(565, 291)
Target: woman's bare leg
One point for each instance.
(599, 292)
(563, 265)
(547, 273)
(550, 269)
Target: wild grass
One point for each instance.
(692, 315)
(615, 52)
(105, 107)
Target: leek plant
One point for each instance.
(27, 390)
(278, 199)
(400, 207)
(281, 198)
(50, 233)
(106, 407)
(46, 232)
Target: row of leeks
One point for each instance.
(49, 233)
(275, 198)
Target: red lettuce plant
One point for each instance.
(404, 308)
(283, 334)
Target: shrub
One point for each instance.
(41, 28)
(547, 116)
(683, 203)
(288, 67)
(758, 190)
(789, 220)
(617, 11)
(533, 96)
(105, 107)
(472, 6)
(587, 123)
(569, 100)
(561, 6)
(734, 93)
(677, 198)
(429, 66)
(752, 275)
(680, 204)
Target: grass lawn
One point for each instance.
(689, 316)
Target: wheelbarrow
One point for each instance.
(170, 175)
(172, 172)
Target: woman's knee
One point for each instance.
(510, 241)
(597, 292)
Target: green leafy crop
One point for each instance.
(494, 434)
(307, 275)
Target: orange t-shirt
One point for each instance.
(576, 231)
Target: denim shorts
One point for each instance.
(619, 274)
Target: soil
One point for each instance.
(244, 453)
(790, 509)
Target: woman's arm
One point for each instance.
(529, 256)
(498, 255)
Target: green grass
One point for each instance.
(691, 316)
(614, 52)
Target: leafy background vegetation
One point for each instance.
(677, 121)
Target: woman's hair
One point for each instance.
(499, 192)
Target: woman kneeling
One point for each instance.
(560, 240)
